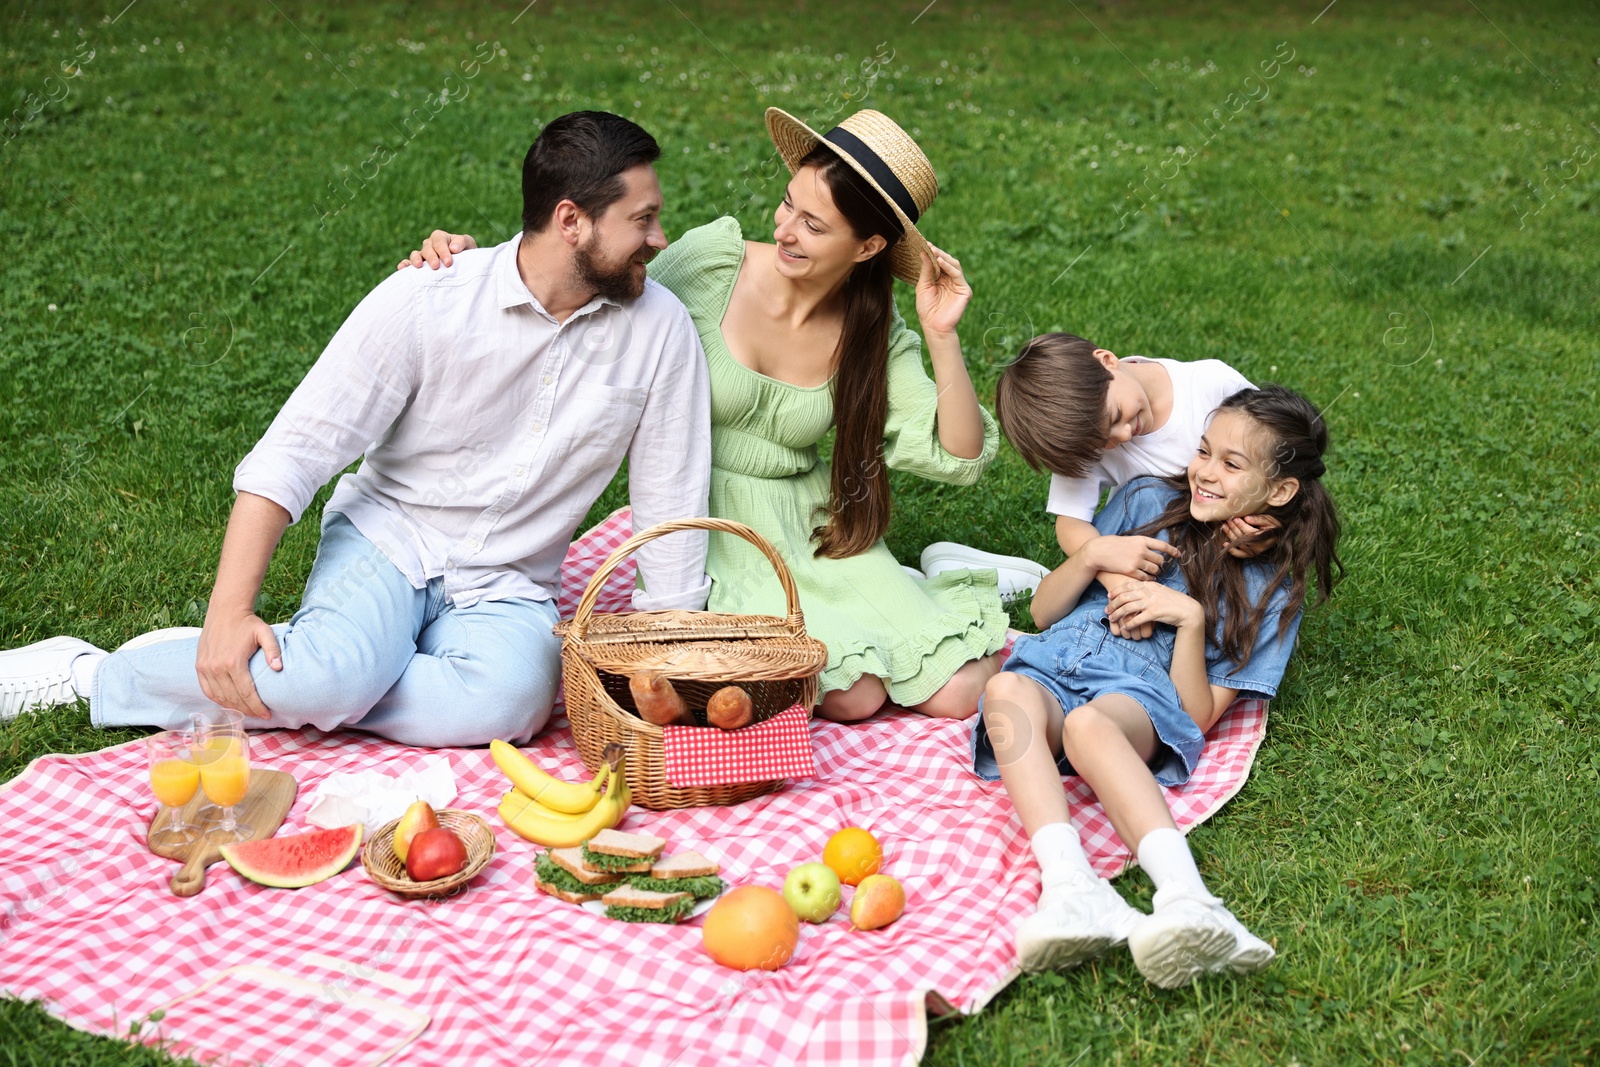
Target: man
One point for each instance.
(493, 403)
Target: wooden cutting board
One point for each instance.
(263, 809)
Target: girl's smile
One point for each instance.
(1226, 476)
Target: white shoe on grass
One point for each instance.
(1250, 954)
(1077, 919)
(39, 675)
(1018, 576)
(159, 637)
(918, 575)
(1183, 939)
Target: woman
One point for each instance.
(802, 336)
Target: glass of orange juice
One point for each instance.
(216, 719)
(174, 778)
(223, 760)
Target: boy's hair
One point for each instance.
(1051, 402)
(581, 157)
(1294, 439)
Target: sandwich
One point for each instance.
(643, 906)
(614, 852)
(685, 872)
(560, 872)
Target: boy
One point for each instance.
(1095, 421)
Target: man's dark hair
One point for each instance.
(581, 157)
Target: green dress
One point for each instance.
(765, 472)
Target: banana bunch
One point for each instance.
(533, 782)
(559, 814)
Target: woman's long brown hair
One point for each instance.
(1294, 439)
(858, 504)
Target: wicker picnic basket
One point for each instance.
(700, 651)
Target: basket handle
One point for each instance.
(580, 619)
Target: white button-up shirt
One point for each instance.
(489, 429)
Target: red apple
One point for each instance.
(435, 853)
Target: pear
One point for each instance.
(418, 817)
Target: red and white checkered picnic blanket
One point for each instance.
(509, 975)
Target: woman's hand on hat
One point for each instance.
(942, 292)
(437, 250)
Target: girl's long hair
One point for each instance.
(1294, 439)
(858, 504)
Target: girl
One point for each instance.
(802, 337)
(1130, 716)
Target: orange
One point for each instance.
(751, 927)
(853, 854)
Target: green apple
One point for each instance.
(812, 890)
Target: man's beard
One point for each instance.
(619, 283)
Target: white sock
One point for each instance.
(1166, 858)
(1059, 852)
(83, 668)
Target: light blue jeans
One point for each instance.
(367, 651)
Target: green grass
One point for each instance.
(1418, 836)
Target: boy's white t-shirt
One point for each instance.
(1198, 386)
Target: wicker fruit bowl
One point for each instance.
(699, 651)
(387, 869)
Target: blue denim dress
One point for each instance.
(1079, 659)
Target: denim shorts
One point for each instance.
(1079, 660)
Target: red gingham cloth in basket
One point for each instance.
(510, 976)
(777, 748)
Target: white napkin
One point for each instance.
(374, 798)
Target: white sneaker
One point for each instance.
(1018, 576)
(39, 675)
(1181, 940)
(1251, 954)
(157, 637)
(913, 572)
(1077, 920)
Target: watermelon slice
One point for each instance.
(297, 859)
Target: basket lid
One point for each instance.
(628, 627)
(690, 655)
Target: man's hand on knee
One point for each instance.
(223, 662)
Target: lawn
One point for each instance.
(1394, 208)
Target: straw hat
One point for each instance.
(886, 157)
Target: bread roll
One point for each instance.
(730, 708)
